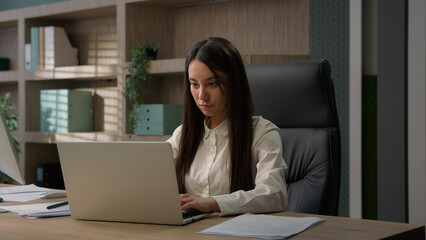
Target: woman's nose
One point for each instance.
(203, 95)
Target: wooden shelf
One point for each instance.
(177, 65)
(72, 10)
(170, 3)
(150, 138)
(8, 76)
(164, 67)
(8, 24)
(53, 138)
(167, 66)
(75, 72)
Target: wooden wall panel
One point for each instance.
(153, 24)
(9, 47)
(265, 27)
(96, 40)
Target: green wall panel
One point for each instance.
(329, 39)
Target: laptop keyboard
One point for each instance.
(189, 215)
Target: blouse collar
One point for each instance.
(222, 129)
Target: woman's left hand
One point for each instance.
(191, 203)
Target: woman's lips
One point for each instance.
(205, 106)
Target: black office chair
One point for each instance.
(299, 98)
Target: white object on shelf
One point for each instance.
(57, 48)
(28, 56)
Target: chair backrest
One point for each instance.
(299, 98)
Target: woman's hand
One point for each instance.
(191, 203)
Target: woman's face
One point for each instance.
(211, 99)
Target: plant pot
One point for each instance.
(152, 53)
(4, 64)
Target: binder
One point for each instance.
(64, 110)
(58, 50)
(28, 56)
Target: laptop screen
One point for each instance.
(8, 155)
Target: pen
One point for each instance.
(56, 205)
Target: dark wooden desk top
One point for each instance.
(13, 226)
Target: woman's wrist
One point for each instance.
(214, 205)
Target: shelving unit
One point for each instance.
(104, 32)
(9, 49)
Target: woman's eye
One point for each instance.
(213, 83)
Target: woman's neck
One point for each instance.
(212, 123)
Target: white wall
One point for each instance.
(355, 83)
(416, 112)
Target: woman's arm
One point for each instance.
(270, 192)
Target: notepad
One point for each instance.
(38, 210)
(263, 226)
(30, 192)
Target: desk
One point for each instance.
(13, 226)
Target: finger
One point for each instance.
(188, 206)
(186, 198)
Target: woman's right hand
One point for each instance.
(190, 203)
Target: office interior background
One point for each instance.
(376, 49)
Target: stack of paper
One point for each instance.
(263, 226)
(30, 192)
(38, 210)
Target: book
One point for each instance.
(41, 47)
(34, 48)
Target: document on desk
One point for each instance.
(30, 192)
(38, 210)
(263, 226)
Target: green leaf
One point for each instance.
(11, 119)
(138, 70)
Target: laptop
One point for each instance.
(8, 156)
(122, 181)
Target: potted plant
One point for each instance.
(12, 124)
(142, 54)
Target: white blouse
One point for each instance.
(209, 175)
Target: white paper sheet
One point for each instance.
(263, 226)
(38, 210)
(30, 192)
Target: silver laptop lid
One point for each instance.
(121, 181)
(8, 155)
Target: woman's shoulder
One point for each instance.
(266, 135)
(262, 127)
(175, 136)
(259, 123)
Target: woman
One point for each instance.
(226, 160)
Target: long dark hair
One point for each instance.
(219, 55)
